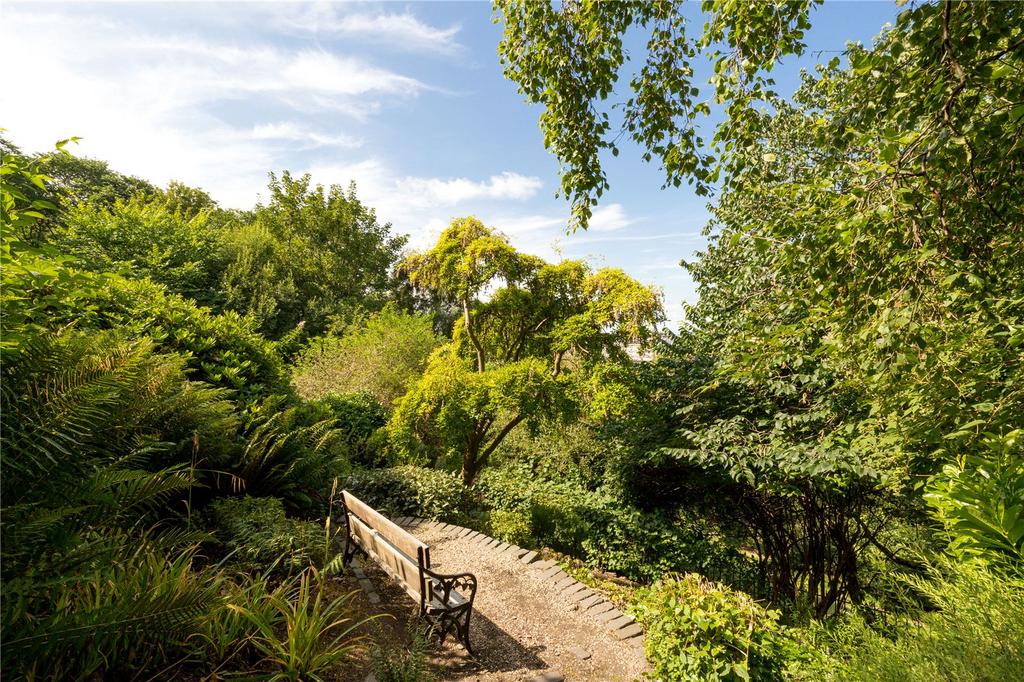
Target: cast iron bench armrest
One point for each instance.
(453, 581)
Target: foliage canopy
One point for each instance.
(521, 320)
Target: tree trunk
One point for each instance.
(469, 466)
(473, 459)
(471, 333)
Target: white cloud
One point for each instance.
(319, 71)
(401, 31)
(608, 218)
(600, 238)
(448, 192)
(520, 225)
(423, 207)
(167, 106)
(198, 70)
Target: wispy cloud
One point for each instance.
(399, 31)
(174, 106)
(423, 205)
(526, 224)
(596, 239)
(288, 131)
(451, 191)
(201, 70)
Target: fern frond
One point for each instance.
(125, 617)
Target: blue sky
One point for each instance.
(406, 99)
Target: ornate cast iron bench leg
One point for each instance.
(450, 618)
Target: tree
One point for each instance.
(308, 255)
(568, 57)
(28, 197)
(144, 237)
(78, 179)
(862, 300)
(884, 239)
(526, 325)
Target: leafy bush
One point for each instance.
(292, 452)
(225, 633)
(645, 546)
(379, 356)
(318, 633)
(602, 531)
(258, 533)
(511, 526)
(971, 628)
(134, 613)
(357, 418)
(980, 501)
(699, 630)
(575, 452)
(412, 491)
(46, 292)
(224, 350)
(144, 238)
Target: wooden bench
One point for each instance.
(446, 601)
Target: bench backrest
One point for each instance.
(398, 552)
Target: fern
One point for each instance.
(287, 457)
(91, 582)
(124, 617)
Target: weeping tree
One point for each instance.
(528, 330)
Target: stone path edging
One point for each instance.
(597, 608)
(365, 583)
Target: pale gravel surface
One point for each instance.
(520, 628)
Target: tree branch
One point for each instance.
(486, 454)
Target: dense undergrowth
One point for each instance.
(820, 477)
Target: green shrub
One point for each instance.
(412, 491)
(291, 451)
(511, 526)
(225, 634)
(258, 532)
(645, 546)
(380, 355)
(146, 239)
(357, 417)
(223, 350)
(699, 630)
(971, 629)
(575, 452)
(601, 530)
(979, 499)
(124, 615)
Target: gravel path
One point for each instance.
(530, 622)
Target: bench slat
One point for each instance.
(394, 534)
(396, 563)
(454, 599)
